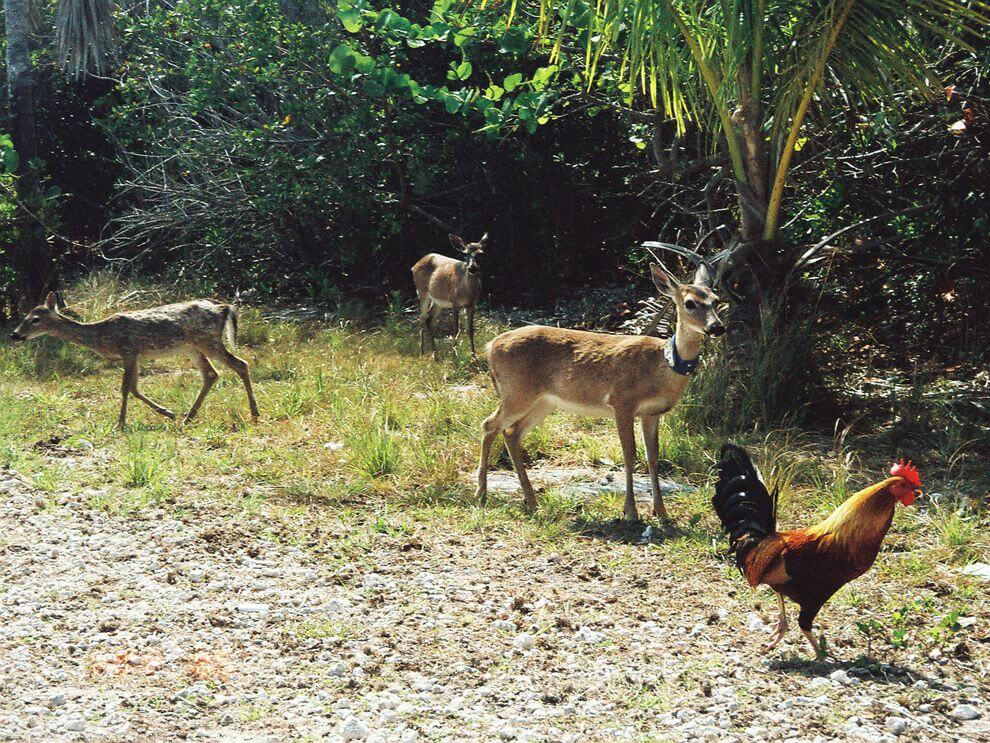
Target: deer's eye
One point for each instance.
(690, 304)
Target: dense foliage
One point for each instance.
(287, 150)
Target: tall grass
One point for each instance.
(761, 386)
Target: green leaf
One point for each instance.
(11, 160)
(351, 18)
(512, 81)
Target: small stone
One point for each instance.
(353, 729)
(76, 725)
(755, 623)
(506, 625)
(896, 725)
(57, 699)
(524, 641)
(965, 712)
(196, 576)
(252, 608)
(840, 677)
(410, 736)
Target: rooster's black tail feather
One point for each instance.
(748, 511)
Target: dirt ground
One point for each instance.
(208, 623)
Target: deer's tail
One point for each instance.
(230, 326)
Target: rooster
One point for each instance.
(806, 565)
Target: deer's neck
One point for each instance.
(688, 342)
(92, 335)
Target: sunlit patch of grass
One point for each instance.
(957, 532)
(374, 450)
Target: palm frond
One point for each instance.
(85, 38)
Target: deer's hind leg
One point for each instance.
(161, 410)
(426, 317)
(209, 379)
(240, 367)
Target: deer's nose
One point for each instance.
(715, 329)
(16, 336)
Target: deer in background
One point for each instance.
(447, 282)
(195, 328)
(538, 369)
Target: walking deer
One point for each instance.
(195, 328)
(447, 282)
(539, 369)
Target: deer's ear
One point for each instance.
(483, 242)
(703, 276)
(666, 283)
(51, 302)
(456, 241)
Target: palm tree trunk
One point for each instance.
(31, 258)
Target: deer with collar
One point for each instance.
(539, 369)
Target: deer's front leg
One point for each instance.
(135, 373)
(470, 328)
(457, 321)
(624, 420)
(130, 368)
(651, 442)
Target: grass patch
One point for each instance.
(358, 429)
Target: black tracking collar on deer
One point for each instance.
(685, 367)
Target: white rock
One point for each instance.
(410, 736)
(965, 712)
(896, 725)
(76, 725)
(506, 625)
(524, 641)
(588, 635)
(353, 729)
(251, 608)
(755, 623)
(840, 677)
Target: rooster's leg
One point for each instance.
(814, 643)
(778, 634)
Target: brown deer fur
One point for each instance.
(443, 282)
(540, 369)
(195, 328)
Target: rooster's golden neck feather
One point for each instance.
(863, 515)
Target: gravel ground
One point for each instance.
(209, 625)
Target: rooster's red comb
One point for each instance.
(907, 471)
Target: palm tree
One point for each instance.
(84, 40)
(750, 72)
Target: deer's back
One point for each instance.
(167, 328)
(583, 371)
